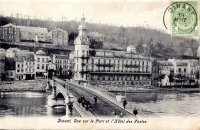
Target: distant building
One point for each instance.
(25, 66)
(107, 66)
(10, 64)
(58, 37)
(187, 68)
(174, 69)
(161, 70)
(9, 33)
(11, 52)
(62, 64)
(32, 33)
(131, 49)
(2, 63)
(41, 62)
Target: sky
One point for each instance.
(147, 13)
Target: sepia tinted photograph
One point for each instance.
(115, 59)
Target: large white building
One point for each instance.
(42, 61)
(58, 37)
(107, 66)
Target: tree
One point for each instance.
(140, 47)
(72, 36)
(95, 44)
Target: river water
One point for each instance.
(148, 104)
(27, 104)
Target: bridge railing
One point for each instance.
(81, 110)
(102, 89)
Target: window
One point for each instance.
(179, 70)
(42, 59)
(17, 70)
(77, 53)
(38, 59)
(184, 70)
(42, 66)
(38, 66)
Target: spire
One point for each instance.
(83, 20)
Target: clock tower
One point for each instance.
(81, 53)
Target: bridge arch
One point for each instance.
(60, 96)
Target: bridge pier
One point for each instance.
(51, 99)
(48, 86)
(60, 97)
(49, 110)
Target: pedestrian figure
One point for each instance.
(124, 103)
(95, 99)
(83, 101)
(86, 105)
(114, 113)
(121, 115)
(82, 98)
(79, 100)
(135, 111)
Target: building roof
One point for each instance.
(181, 63)
(24, 57)
(2, 50)
(40, 52)
(33, 29)
(164, 63)
(9, 25)
(116, 54)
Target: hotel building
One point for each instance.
(109, 67)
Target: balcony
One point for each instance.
(84, 57)
(84, 71)
(120, 73)
(104, 65)
(131, 66)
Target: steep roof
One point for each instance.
(164, 63)
(33, 29)
(24, 57)
(40, 52)
(9, 25)
(181, 63)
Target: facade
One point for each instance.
(174, 70)
(187, 68)
(32, 33)
(161, 70)
(2, 63)
(41, 62)
(62, 63)
(107, 66)
(58, 37)
(11, 52)
(9, 33)
(25, 66)
(10, 68)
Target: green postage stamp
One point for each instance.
(184, 18)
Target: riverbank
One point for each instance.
(27, 85)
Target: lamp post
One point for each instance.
(69, 100)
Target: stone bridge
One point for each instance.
(62, 97)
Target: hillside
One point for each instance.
(147, 41)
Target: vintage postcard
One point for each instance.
(100, 64)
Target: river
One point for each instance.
(28, 104)
(165, 104)
(148, 104)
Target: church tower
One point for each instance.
(81, 53)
